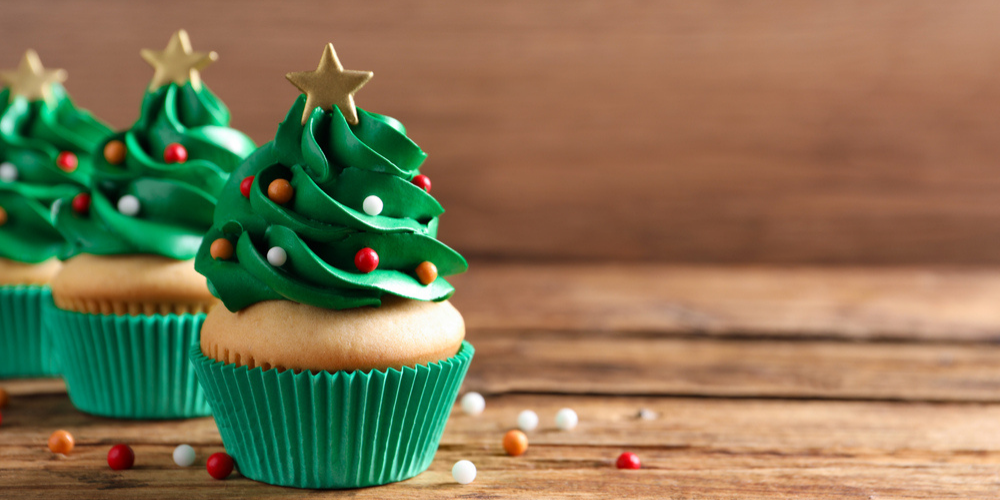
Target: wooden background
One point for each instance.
(712, 131)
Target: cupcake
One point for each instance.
(335, 358)
(45, 145)
(128, 302)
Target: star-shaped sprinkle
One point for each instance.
(330, 85)
(177, 63)
(31, 80)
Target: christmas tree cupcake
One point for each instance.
(336, 358)
(45, 145)
(129, 303)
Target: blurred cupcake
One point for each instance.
(336, 358)
(128, 302)
(45, 145)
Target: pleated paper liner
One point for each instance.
(332, 430)
(134, 367)
(25, 347)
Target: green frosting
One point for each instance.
(32, 135)
(333, 167)
(176, 199)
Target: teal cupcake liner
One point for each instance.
(133, 367)
(332, 430)
(25, 347)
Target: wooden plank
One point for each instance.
(695, 448)
(844, 303)
(784, 131)
(617, 364)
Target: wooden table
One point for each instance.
(767, 383)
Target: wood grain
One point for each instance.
(695, 448)
(783, 131)
(814, 383)
(619, 364)
(852, 303)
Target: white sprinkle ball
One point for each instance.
(464, 472)
(473, 403)
(128, 205)
(372, 205)
(566, 419)
(184, 455)
(277, 256)
(8, 172)
(647, 414)
(527, 421)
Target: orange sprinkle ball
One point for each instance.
(61, 442)
(4, 398)
(221, 249)
(427, 272)
(114, 152)
(515, 443)
(3, 216)
(280, 191)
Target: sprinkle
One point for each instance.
(121, 457)
(473, 403)
(566, 419)
(527, 421)
(128, 205)
(464, 472)
(280, 191)
(61, 442)
(628, 460)
(184, 455)
(277, 256)
(8, 172)
(372, 205)
(515, 443)
(220, 465)
(427, 272)
(221, 249)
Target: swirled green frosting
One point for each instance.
(333, 167)
(176, 200)
(32, 135)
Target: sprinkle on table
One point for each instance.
(515, 443)
(464, 472)
(628, 460)
(220, 465)
(527, 421)
(566, 419)
(184, 455)
(473, 403)
(121, 457)
(61, 442)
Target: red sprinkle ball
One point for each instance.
(67, 161)
(245, 186)
(175, 153)
(366, 260)
(81, 203)
(220, 465)
(628, 460)
(121, 457)
(423, 182)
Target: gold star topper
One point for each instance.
(31, 80)
(177, 63)
(330, 85)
